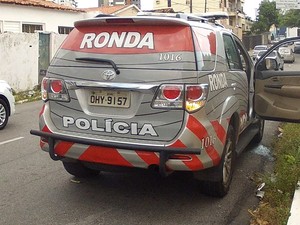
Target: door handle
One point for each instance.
(275, 79)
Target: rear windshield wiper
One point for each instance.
(101, 60)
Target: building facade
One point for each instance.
(119, 2)
(234, 8)
(72, 3)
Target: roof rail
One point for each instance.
(214, 15)
(185, 16)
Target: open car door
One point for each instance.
(277, 82)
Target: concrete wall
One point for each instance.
(19, 53)
(55, 41)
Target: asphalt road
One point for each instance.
(36, 190)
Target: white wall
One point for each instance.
(19, 53)
(49, 18)
(292, 32)
(19, 61)
(55, 42)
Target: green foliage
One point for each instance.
(281, 185)
(291, 18)
(268, 15)
(28, 96)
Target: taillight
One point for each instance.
(193, 92)
(54, 89)
(56, 86)
(195, 96)
(44, 88)
(175, 96)
(169, 96)
(171, 93)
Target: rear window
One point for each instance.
(130, 39)
(273, 54)
(205, 46)
(260, 48)
(136, 46)
(261, 53)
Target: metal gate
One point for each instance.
(44, 54)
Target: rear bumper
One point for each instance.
(164, 151)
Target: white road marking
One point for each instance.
(11, 140)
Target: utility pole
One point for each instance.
(169, 3)
(205, 6)
(191, 6)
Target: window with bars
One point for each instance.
(31, 28)
(64, 30)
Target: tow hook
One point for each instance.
(163, 158)
(53, 156)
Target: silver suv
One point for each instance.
(173, 93)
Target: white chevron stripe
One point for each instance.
(133, 158)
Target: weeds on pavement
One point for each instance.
(274, 209)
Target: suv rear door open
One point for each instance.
(277, 92)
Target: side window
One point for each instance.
(232, 54)
(243, 56)
(205, 46)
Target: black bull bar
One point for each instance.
(164, 152)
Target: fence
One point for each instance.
(19, 56)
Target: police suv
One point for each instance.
(173, 92)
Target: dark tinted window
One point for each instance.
(64, 30)
(232, 54)
(31, 28)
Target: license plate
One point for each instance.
(118, 99)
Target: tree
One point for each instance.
(291, 18)
(267, 16)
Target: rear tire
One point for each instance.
(3, 114)
(77, 169)
(219, 186)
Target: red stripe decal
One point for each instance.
(98, 39)
(104, 155)
(42, 110)
(46, 129)
(195, 163)
(199, 130)
(149, 157)
(219, 131)
(62, 147)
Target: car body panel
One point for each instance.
(257, 49)
(155, 55)
(297, 47)
(277, 92)
(287, 54)
(6, 91)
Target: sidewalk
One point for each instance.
(295, 209)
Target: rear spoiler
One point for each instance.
(137, 20)
(153, 18)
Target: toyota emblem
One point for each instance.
(108, 75)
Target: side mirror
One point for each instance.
(271, 64)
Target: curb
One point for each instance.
(295, 208)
